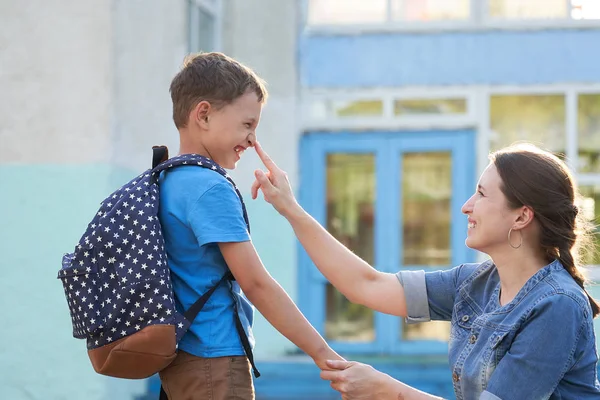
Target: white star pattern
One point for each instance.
(106, 270)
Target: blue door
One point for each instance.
(394, 199)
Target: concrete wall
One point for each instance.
(84, 97)
(55, 79)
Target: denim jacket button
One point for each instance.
(473, 339)
(455, 377)
(465, 318)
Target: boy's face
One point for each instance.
(232, 129)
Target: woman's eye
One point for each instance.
(248, 125)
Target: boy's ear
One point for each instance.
(200, 113)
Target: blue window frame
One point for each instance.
(388, 151)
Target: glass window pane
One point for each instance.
(588, 120)
(430, 106)
(585, 9)
(528, 9)
(338, 12)
(430, 10)
(356, 108)
(590, 205)
(351, 220)
(536, 119)
(426, 216)
(347, 321)
(432, 330)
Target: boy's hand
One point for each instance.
(327, 354)
(274, 184)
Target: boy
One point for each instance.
(217, 104)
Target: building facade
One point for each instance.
(382, 113)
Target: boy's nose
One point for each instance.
(251, 140)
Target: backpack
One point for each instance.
(117, 281)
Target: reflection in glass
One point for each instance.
(588, 120)
(528, 9)
(590, 206)
(539, 119)
(585, 9)
(430, 10)
(426, 214)
(351, 220)
(430, 106)
(433, 330)
(357, 108)
(338, 12)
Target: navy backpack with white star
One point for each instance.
(117, 281)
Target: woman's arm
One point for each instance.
(273, 302)
(357, 381)
(352, 276)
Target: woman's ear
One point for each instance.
(524, 217)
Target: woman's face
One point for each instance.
(489, 216)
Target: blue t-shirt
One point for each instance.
(198, 209)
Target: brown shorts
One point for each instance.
(195, 378)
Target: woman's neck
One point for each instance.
(515, 268)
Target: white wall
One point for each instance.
(150, 38)
(55, 80)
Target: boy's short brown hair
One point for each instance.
(212, 77)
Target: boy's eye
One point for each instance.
(479, 193)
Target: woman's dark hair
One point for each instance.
(540, 180)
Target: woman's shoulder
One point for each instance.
(476, 273)
(560, 290)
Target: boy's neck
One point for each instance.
(187, 144)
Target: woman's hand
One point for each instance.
(357, 381)
(275, 185)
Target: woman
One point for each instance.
(521, 322)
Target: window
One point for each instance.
(588, 123)
(378, 108)
(387, 196)
(430, 106)
(561, 119)
(323, 12)
(539, 119)
(588, 163)
(204, 25)
(590, 205)
(544, 9)
(474, 12)
(350, 200)
(530, 9)
(430, 10)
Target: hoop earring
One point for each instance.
(510, 244)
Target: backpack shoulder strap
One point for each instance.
(162, 153)
(159, 154)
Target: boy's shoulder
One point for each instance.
(191, 183)
(194, 178)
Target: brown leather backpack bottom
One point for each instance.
(136, 356)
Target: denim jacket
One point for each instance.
(541, 345)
